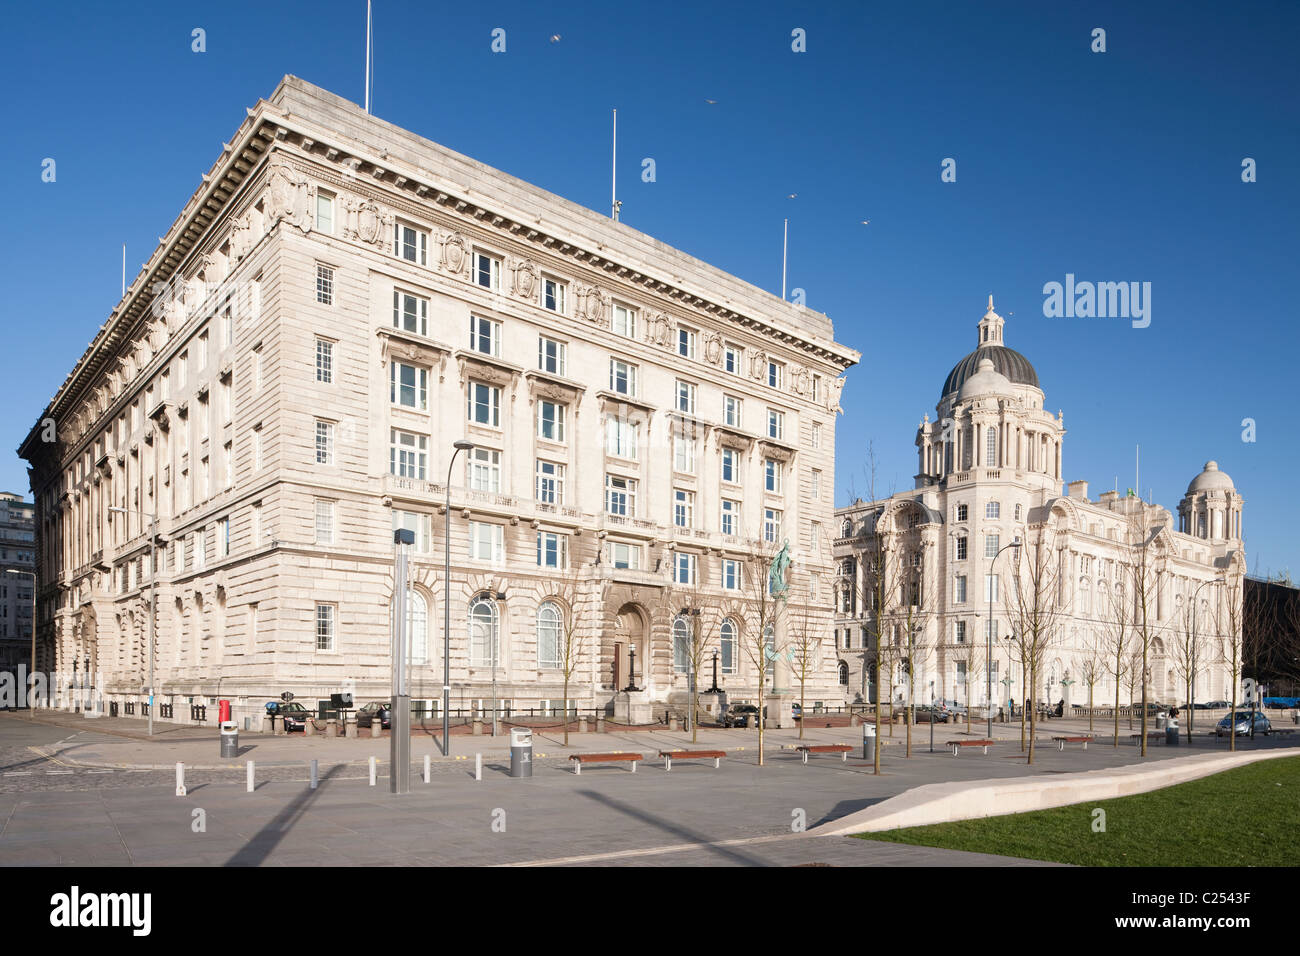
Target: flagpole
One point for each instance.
(785, 245)
(367, 56)
(124, 269)
(613, 173)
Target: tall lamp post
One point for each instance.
(457, 447)
(988, 637)
(153, 594)
(399, 771)
(31, 708)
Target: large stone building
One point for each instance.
(990, 471)
(17, 567)
(338, 303)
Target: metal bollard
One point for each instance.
(314, 774)
(372, 771)
(250, 776)
(426, 768)
(869, 742)
(376, 727)
(180, 779)
(478, 766)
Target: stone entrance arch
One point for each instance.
(629, 633)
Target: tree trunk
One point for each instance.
(876, 756)
(1116, 715)
(802, 683)
(1090, 710)
(564, 706)
(1032, 717)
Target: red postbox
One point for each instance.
(223, 711)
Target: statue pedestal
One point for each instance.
(712, 707)
(632, 707)
(779, 711)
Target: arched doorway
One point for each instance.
(628, 634)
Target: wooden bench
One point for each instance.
(1152, 735)
(956, 745)
(580, 759)
(841, 749)
(1082, 739)
(671, 755)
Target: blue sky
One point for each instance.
(1115, 166)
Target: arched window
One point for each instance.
(844, 674)
(846, 529)
(1085, 597)
(549, 621)
(417, 627)
(483, 633)
(681, 646)
(728, 646)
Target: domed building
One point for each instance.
(957, 561)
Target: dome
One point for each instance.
(1006, 362)
(1211, 479)
(986, 380)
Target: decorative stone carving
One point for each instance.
(454, 257)
(366, 222)
(525, 278)
(713, 348)
(758, 364)
(801, 378)
(837, 386)
(659, 330)
(594, 304)
(241, 237)
(286, 197)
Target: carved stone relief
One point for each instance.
(758, 364)
(286, 197)
(525, 278)
(366, 221)
(659, 330)
(713, 348)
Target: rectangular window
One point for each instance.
(408, 386)
(775, 424)
(483, 470)
(961, 548)
(990, 447)
(961, 512)
(624, 556)
(991, 542)
(731, 575)
(410, 243)
(199, 548)
(775, 374)
(418, 524)
(730, 466)
(992, 509)
(772, 475)
(731, 357)
(991, 634)
(550, 421)
(622, 377)
(620, 496)
(324, 285)
(683, 508)
(624, 321)
(325, 627)
(408, 454)
(959, 596)
(324, 442)
(729, 523)
(991, 588)
(684, 568)
(257, 449)
(550, 482)
(732, 408)
(485, 335)
(816, 435)
(686, 339)
(551, 550)
(816, 484)
(324, 361)
(487, 271)
(410, 313)
(486, 542)
(324, 212)
(684, 454)
(621, 437)
(771, 526)
(685, 397)
(815, 538)
(484, 404)
(324, 521)
(961, 639)
(223, 537)
(551, 355)
(552, 295)
(228, 464)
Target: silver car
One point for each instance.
(1243, 721)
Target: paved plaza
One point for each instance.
(72, 795)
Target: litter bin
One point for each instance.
(229, 738)
(1161, 718)
(521, 752)
(869, 742)
(1171, 733)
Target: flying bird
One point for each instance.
(792, 196)
(555, 38)
(711, 102)
(866, 222)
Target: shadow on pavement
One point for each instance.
(263, 843)
(676, 829)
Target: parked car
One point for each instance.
(797, 710)
(741, 715)
(1216, 705)
(939, 715)
(294, 714)
(1242, 718)
(367, 714)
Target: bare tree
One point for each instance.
(762, 644)
(1092, 665)
(572, 637)
(969, 654)
(807, 629)
(912, 615)
(1035, 606)
(1187, 653)
(1116, 641)
(1145, 572)
(681, 604)
(1233, 643)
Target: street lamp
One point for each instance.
(399, 771)
(458, 447)
(31, 708)
(153, 594)
(988, 636)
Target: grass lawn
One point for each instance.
(1242, 817)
